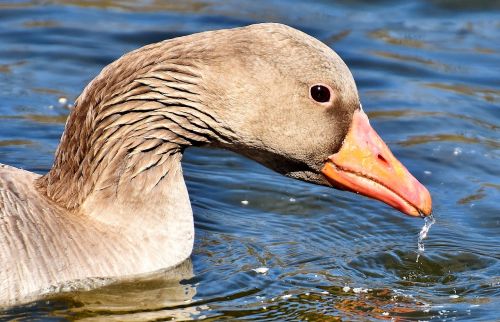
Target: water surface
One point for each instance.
(428, 76)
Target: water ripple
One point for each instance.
(427, 72)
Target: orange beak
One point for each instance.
(365, 165)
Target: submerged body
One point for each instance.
(44, 246)
(115, 203)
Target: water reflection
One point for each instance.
(488, 94)
(15, 142)
(415, 114)
(330, 40)
(423, 139)
(128, 5)
(479, 194)
(162, 295)
(7, 68)
(389, 37)
(415, 59)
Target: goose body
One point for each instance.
(115, 203)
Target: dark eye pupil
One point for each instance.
(320, 93)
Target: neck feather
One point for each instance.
(129, 124)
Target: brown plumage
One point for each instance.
(114, 203)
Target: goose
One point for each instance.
(115, 205)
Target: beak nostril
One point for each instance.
(381, 158)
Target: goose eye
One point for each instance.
(320, 93)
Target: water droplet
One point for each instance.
(62, 100)
(261, 270)
(428, 222)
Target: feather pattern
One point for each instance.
(114, 204)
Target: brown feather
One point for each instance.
(114, 203)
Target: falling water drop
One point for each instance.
(428, 222)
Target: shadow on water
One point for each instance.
(268, 247)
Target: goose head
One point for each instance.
(293, 106)
(267, 91)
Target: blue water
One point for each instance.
(428, 75)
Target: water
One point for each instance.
(428, 222)
(428, 76)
